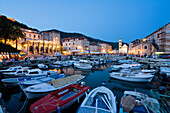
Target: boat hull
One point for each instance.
(131, 79)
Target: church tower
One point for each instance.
(120, 45)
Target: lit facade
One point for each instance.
(158, 41)
(162, 38)
(140, 47)
(75, 44)
(35, 42)
(105, 48)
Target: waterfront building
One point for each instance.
(142, 47)
(51, 41)
(75, 45)
(162, 38)
(105, 48)
(157, 42)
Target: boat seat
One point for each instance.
(101, 104)
(68, 95)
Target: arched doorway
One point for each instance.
(31, 49)
(42, 49)
(46, 49)
(37, 49)
(51, 50)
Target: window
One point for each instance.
(19, 72)
(73, 43)
(25, 39)
(76, 48)
(69, 44)
(29, 35)
(34, 36)
(66, 44)
(36, 72)
(145, 47)
(68, 48)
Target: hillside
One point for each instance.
(67, 35)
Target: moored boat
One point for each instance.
(61, 98)
(138, 102)
(43, 89)
(138, 77)
(99, 100)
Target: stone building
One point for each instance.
(161, 37)
(74, 45)
(157, 42)
(142, 48)
(105, 48)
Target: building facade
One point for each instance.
(162, 38)
(105, 48)
(157, 42)
(75, 45)
(142, 48)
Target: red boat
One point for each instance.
(61, 98)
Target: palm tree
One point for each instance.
(16, 34)
(5, 28)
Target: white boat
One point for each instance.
(36, 72)
(26, 81)
(43, 89)
(99, 100)
(19, 72)
(166, 70)
(40, 80)
(138, 77)
(11, 69)
(83, 66)
(42, 66)
(138, 102)
(66, 64)
(148, 71)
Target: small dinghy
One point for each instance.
(62, 98)
(43, 89)
(137, 102)
(99, 100)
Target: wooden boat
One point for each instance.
(62, 98)
(43, 89)
(139, 103)
(99, 100)
(139, 77)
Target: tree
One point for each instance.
(16, 33)
(5, 28)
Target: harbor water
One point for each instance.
(15, 101)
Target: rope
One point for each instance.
(22, 106)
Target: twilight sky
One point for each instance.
(107, 20)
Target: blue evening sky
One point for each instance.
(107, 20)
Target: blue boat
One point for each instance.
(24, 80)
